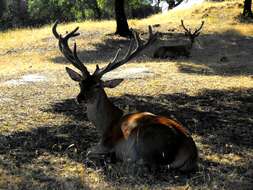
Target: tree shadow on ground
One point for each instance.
(27, 155)
(214, 114)
(222, 118)
(211, 111)
(228, 53)
(102, 52)
(244, 19)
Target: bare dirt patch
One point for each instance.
(26, 79)
(130, 73)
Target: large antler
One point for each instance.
(131, 53)
(73, 58)
(188, 31)
(67, 52)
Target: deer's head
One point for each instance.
(192, 35)
(92, 85)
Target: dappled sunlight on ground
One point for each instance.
(44, 134)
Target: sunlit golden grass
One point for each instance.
(218, 17)
(214, 14)
(44, 135)
(39, 37)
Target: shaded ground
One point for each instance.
(221, 122)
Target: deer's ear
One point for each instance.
(74, 75)
(112, 83)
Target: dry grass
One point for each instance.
(44, 135)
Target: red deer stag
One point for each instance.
(175, 51)
(143, 137)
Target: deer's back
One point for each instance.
(154, 139)
(164, 52)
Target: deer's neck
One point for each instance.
(102, 113)
(191, 44)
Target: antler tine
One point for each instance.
(151, 37)
(98, 70)
(129, 55)
(66, 51)
(197, 30)
(56, 34)
(138, 42)
(72, 33)
(187, 30)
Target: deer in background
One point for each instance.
(175, 51)
(153, 140)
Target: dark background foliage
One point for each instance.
(17, 13)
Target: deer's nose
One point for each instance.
(79, 99)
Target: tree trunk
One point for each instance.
(247, 9)
(2, 7)
(121, 20)
(96, 9)
(22, 9)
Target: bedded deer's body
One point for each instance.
(173, 51)
(144, 137)
(176, 51)
(155, 140)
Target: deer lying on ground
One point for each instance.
(145, 137)
(175, 51)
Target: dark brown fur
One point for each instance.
(158, 140)
(172, 52)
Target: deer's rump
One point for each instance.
(155, 140)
